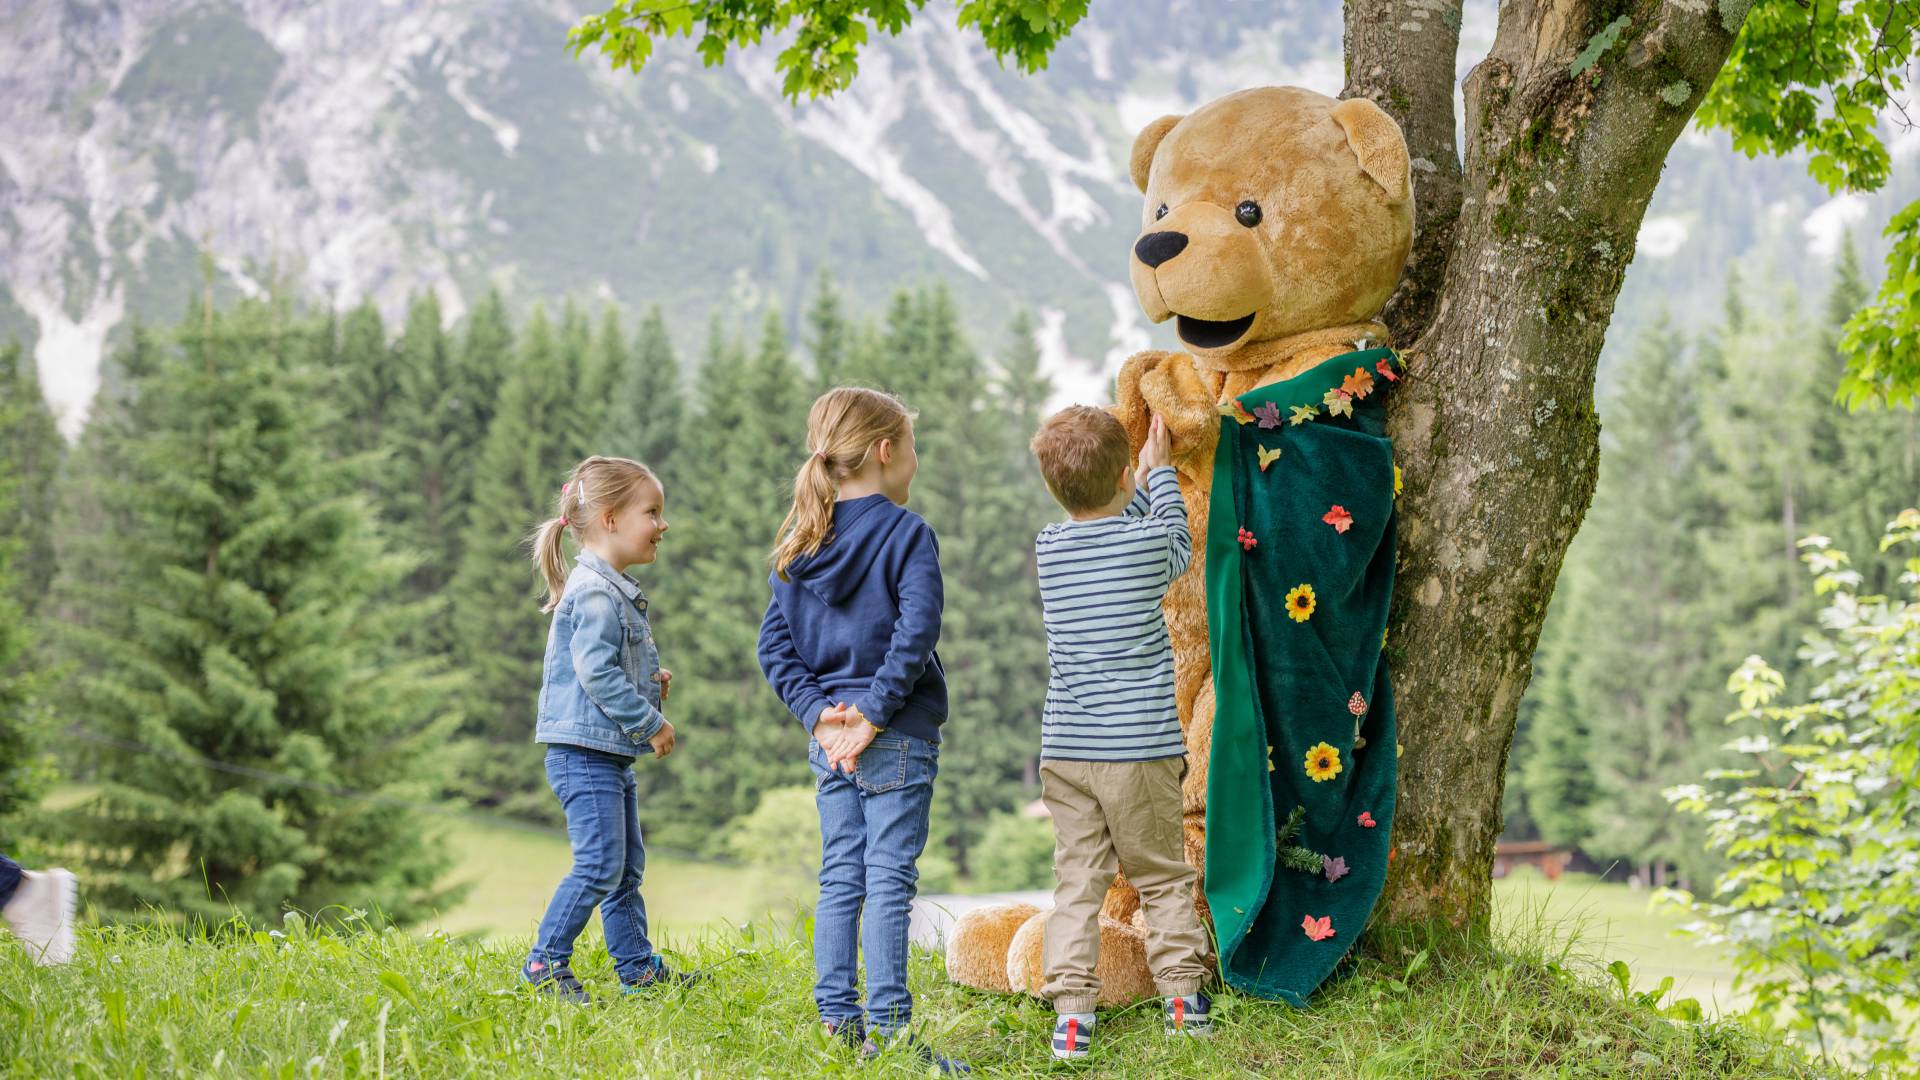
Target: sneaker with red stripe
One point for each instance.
(1072, 1036)
(1190, 1014)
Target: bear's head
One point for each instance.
(1269, 213)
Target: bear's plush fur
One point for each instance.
(1276, 224)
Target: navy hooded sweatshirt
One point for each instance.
(857, 621)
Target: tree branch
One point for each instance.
(1400, 54)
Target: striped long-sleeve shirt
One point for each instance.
(1110, 688)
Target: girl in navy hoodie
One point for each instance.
(848, 643)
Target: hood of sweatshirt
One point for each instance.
(861, 527)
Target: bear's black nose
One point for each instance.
(1157, 247)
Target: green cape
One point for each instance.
(1291, 684)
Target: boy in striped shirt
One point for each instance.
(1111, 753)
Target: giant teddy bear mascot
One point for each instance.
(1276, 225)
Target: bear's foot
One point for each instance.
(977, 945)
(1122, 968)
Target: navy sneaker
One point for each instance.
(659, 976)
(1072, 1036)
(908, 1042)
(1191, 1014)
(559, 982)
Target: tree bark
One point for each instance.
(1511, 286)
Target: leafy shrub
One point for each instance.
(1014, 853)
(782, 832)
(1821, 903)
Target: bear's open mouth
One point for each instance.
(1207, 334)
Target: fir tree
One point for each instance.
(646, 418)
(30, 455)
(21, 771)
(87, 525)
(241, 678)
(1871, 458)
(710, 589)
(827, 342)
(993, 640)
(427, 436)
(502, 634)
(1631, 651)
(367, 384)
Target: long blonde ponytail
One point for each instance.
(843, 427)
(597, 486)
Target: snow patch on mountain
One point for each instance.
(854, 124)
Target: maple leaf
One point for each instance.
(1338, 518)
(1338, 402)
(1319, 929)
(1236, 410)
(1335, 867)
(1267, 457)
(1303, 413)
(1269, 415)
(1359, 384)
(1386, 369)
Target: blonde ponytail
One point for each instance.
(550, 559)
(597, 487)
(843, 427)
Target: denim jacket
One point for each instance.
(598, 690)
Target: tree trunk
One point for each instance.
(1515, 270)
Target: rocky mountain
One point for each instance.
(355, 149)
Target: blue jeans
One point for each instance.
(9, 879)
(603, 824)
(873, 827)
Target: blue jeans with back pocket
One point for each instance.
(603, 824)
(873, 826)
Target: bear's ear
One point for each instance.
(1377, 142)
(1143, 147)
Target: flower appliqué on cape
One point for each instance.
(1300, 602)
(1323, 762)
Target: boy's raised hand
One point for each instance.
(1156, 452)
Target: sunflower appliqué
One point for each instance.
(1323, 762)
(1300, 603)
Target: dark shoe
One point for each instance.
(907, 1042)
(1190, 1015)
(1072, 1038)
(661, 977)
(558, 982)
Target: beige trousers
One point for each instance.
(1108, 816)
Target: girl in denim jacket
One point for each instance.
(600, 699)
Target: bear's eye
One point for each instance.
(1160, 213)
(1248, 213)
